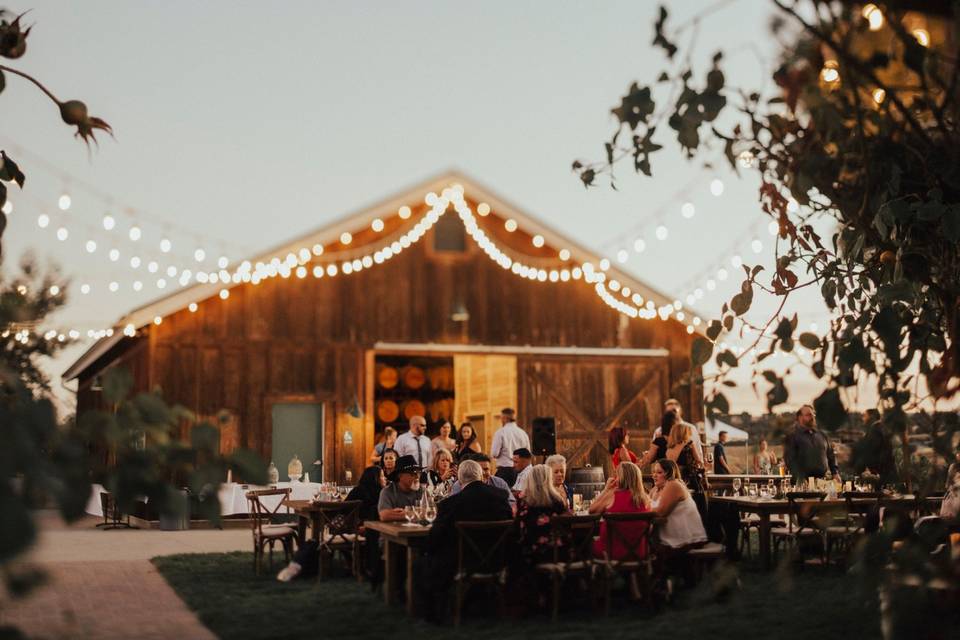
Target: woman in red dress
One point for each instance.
(624, 493)
(618, 440)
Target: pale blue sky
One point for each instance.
(252, 123)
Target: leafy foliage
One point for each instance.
(863, 133)
(25, 301)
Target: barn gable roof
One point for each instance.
(359, 222)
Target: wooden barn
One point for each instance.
(444, 300)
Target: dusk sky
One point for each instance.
(240, 125)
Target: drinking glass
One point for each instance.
(577, 502)
(752, 489)
(736, 485)
(418, 513)
(343, 492)
(430, 514)
(409, 514)
(771, 488)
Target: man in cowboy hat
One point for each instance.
(404, 490)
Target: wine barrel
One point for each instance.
(387, 411)
(413, 377)
(413, 408)
(387, 376)
(587, 481)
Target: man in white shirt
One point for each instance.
(674, 405)
(506, 440)
(414, 443)
(522, 464)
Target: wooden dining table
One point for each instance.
(398, 541)
(308, 513)
(765, 507)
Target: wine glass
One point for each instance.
(771, 488)
(418, 510)
(577, 502)
(751, 490)
(736, 485)
(430, 513)
(343, 492)
(409, 514)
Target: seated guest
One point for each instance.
(539, 502)
(466, 443)
(442, 471)
(444, 441)
(658, 446)
(671, 500)
(720, 464)
(389, 437)
(404, 490)
(624, 493)
(618, 439)
(522, 462)
(558, 464)
(477, 501)
(389, 461)
(367, 491)
(488, 478)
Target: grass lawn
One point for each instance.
(236, 604)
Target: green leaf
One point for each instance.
(713, 331)
(726, 357)
(810, 341)
(116, 385)
(700, 351)
(830, 410)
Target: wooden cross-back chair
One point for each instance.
(803, 508)
(857, 504)
(571, 537)
(481, 559)
(266, 531)
(337, 528)
(638, 558)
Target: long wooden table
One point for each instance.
(779, 506)
(394, 536)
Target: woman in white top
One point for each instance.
(681, 527)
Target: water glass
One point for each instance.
(430, 513)
(736, 485)
(409, 514)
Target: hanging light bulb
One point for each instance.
(757, 246)
(604, 264)
(716, 187)
(114, 255)
(736, 261)
(134, 233)
(622, 256)
(165, 245)
(84, 288)
(152, 266)
(773, 227)
(483, 209)
(200, 255)
(510, 225)
(224, 294)
(346, 237)
(108, 222)
(135, 262)
(62, 234)
(91, 246)
(874, 16)
(722, 274)
(662, 232)
(404, 212)
(113, 286)
(43, 220)
(192, 307)
(564, 254)
(688, 210)
(64, 202)
(537, 241)
(137, 285)
(377, 225)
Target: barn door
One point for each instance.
(297, 430)
(588, 396)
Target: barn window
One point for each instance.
(449, 235)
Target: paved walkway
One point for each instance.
(102, 584)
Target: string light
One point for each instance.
(879, 95)
(64, 202)
(564, 254)
(922, 36)
(874, 16)
(346, 238)
(404, 212)
(756, 245)
(165, 245)
(91, 246)
(84, 288)
(483, 209)
(62, 234)
(773, 227)
(135, 233)
(716, 187)
(54, 290)
(108, 222)
(377, 225)
(510, 225)
(622, 256)
(200, 255)
(688, 210)
(114, 286)
(43, 220)
(537, 241)
(114, 255)
(662, 232)
(224, 294)
(639, 245)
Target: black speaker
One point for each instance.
(544, 436)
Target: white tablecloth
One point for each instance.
(94, 507)
(233, 497)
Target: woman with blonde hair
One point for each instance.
(558, 464)
(680, 450)
(540, 501)
(442, 471)
(624, 493)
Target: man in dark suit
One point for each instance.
(477, 501)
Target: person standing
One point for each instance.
(466, 443)
(414, 443)
(507, 439)
(444, 441)
(807, 451)
(389, 438)
(765, 461)
(618, 439)
(720, 465)
(674, 405)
